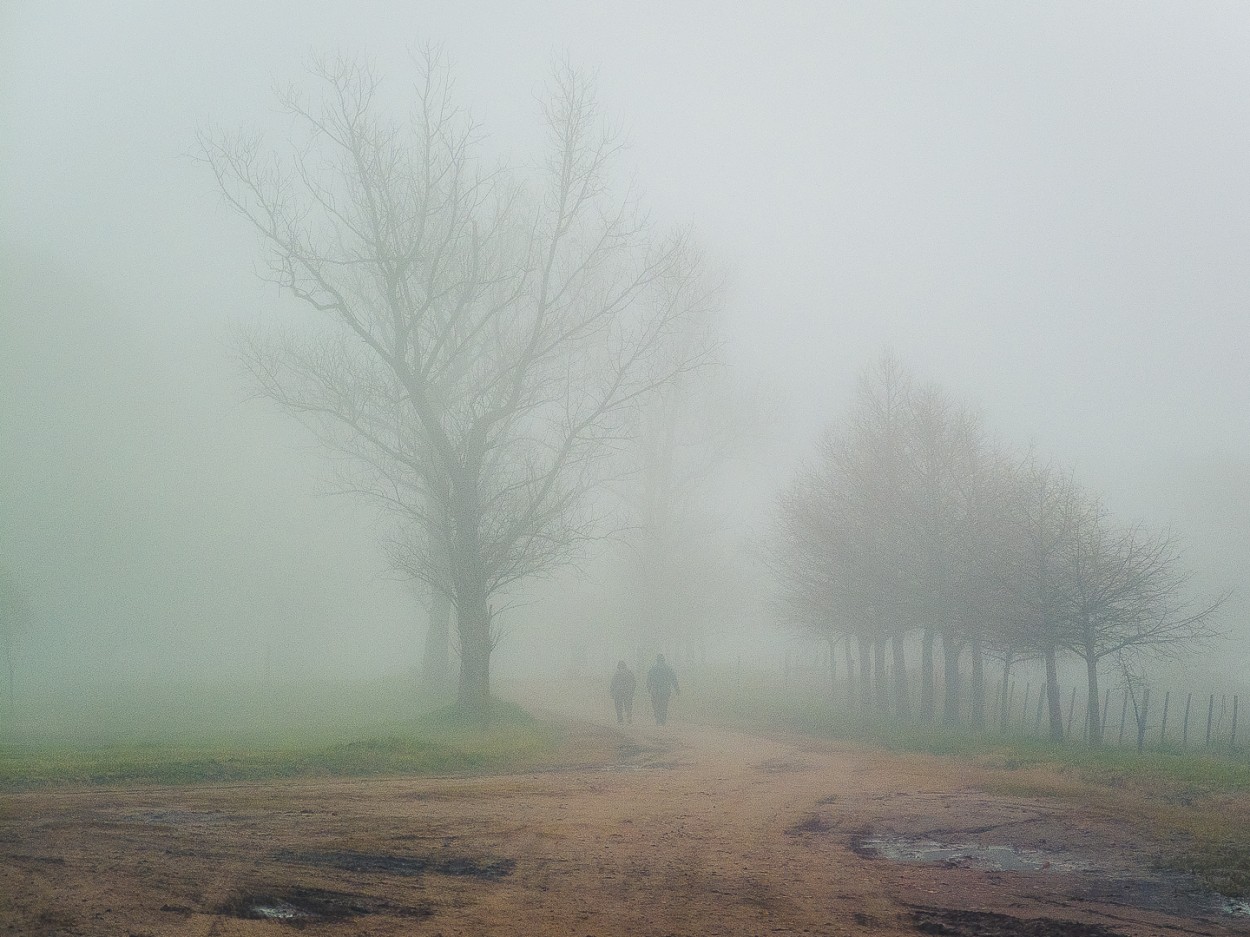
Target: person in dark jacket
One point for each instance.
(622, 690)
(661, 684)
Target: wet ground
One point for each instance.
(1154, 888)
(685, 830)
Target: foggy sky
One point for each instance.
(1044, 208)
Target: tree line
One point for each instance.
(482, 341)
(911, 524)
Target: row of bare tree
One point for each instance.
(911, 523)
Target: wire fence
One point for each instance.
(1147, 717)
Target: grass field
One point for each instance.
(168, 735)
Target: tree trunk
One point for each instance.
(473, 619)
(851, 683)
(1053, 703)
(865, 674)
(950, 670)
(902, 692)
(927, 698)
(881, 692)
(436, 663)
(472, 610)
(1005, 715)
(833, 670)
(1092, 702)
(978, 685)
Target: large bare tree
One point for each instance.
(492, 331)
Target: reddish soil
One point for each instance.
(688, 830)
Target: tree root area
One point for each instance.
(738, 834)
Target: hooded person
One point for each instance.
(622, 690)
(661, 684)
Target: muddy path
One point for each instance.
(684, 830)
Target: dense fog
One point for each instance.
(1043, 210)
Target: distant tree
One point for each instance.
(842, 549)
(961, 479)
(492, 338)
(1044, 509)
(880, 472)
(942, 451)
(1128, 595)
(680, 564)
(15, 617)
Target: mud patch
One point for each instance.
(1159, 890)
(1151, 889)
(987, 924)
(482, 867)
(811, 824)
(966, 855)
(297, 906)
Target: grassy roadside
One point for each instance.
(438, 742)
(1195, 804)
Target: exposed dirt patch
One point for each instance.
(482, 867)
(783, 766)
(702, 838)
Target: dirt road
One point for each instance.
(689, 830)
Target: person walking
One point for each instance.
(622, 690)
(661, 684)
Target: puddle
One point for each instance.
(1151, 889)
(968, 855)
(953, 923)
(295, 905)
(1237, 908)
(299, 905)
(278, 911)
